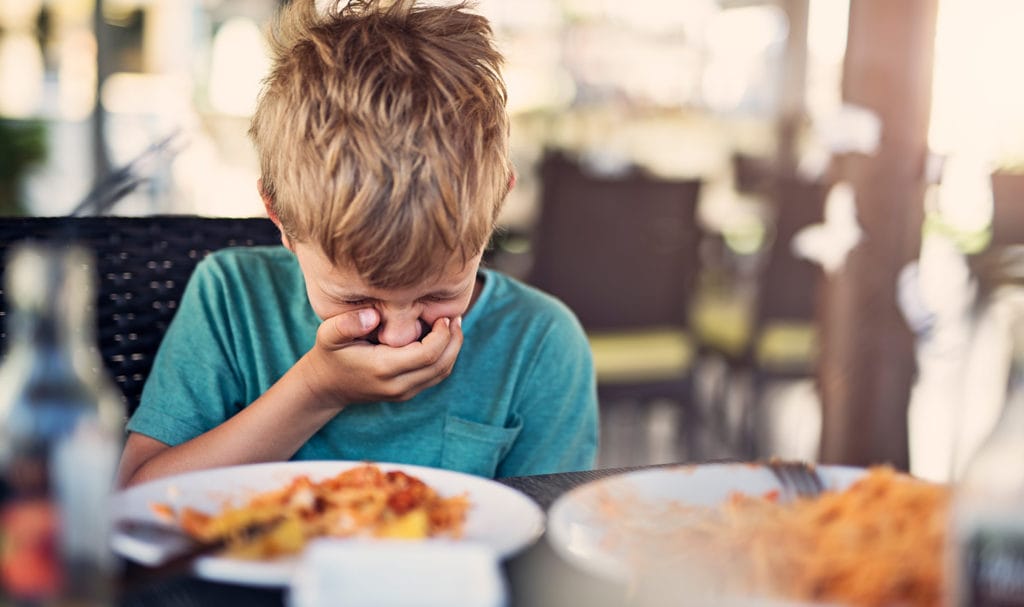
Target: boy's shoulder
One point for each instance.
(503, 288)
(246, 258)
(272, 253)
(510, 296)
(249, 265)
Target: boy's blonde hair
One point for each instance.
(383, 136)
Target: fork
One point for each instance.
(798, 479)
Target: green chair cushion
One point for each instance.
(787, 345)
(648, 355)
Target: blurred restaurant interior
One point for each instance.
(785, 224)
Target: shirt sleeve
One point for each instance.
(557, 406)
(194, 384)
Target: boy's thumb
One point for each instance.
(346, 327)
(367, 319)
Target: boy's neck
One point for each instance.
(478, 287)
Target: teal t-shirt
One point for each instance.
(521, 398)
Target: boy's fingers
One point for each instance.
(442, 367)
(420, 360)
(440, 352)
(451, 350)
(344, 328)
(440, 333)
(457, 324)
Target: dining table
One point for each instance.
(536, 576)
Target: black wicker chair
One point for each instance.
(143, 265)
(623, 253)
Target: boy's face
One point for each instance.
(406, 314)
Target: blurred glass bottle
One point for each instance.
(61, 422)
(987, 529)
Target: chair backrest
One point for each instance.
(787, 284)
(143, 264)
(622, 252)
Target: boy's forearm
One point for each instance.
(271, 428)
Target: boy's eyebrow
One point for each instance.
(340, 293)
(445, 293)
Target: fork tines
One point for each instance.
(798, 479)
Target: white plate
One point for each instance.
(578, 531)
(500, 518)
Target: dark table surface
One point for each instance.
(536, 577)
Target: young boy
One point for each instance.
(373, 334)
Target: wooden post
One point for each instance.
(867, 351)
(104, 67)
(792, 106)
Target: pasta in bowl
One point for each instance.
(707, 534)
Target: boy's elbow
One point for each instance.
(138, 450)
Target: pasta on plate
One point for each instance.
(364, 501)
(878, 542)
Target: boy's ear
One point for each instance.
(511, 183)
(272, 214)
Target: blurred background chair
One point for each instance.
(784, 339)
(143, 264)
(622, 252)
(781, 341)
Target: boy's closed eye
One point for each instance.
(438, 297)
(435, 297)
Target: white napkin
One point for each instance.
(397, 573)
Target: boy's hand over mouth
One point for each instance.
(343, 368)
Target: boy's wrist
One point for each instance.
(313, 375)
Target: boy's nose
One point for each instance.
(398, 332)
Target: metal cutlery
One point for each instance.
(798, 479)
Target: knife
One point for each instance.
(165, 550)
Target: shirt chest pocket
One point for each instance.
(475, 448)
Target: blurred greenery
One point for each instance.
(22, 147)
